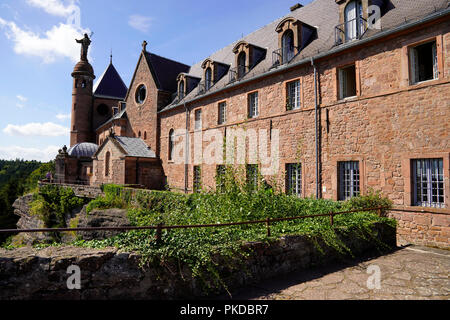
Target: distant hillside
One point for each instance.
(16, 178)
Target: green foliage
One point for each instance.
(52, 203)
(373, 199)
(38, 174)
(234, 201)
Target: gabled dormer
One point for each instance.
(213, 71)
(185, 84)
(293, 36)
(247, 56)
(353, 19)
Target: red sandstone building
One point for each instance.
(357, 91)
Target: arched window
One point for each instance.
(181, 90)
(353, 20)
(171, 143)
(287, 46)
(145, 135)
(107, 163)
(84, 84)
(208, 78)
(241, 64)
(139, 134)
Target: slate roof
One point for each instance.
(135, 147)
(83, 150)
(110, 85)
(322, 15)
(165, 71)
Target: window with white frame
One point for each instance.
(293, 95)
(348, 179)
(294, 179)
(222, 112)
(347, 82)
(428, 182)
(253, 105)
(198, 119)
(423, 62)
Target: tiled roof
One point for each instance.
(83, 150)
(135, 147)
(322, 15)
(165, 71)
(110, 84)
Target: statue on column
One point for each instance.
(85, 42)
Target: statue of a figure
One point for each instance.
(85, 42)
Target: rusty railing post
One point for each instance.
(268, 226)
(159, 233)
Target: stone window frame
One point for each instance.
(285, 93)
(357, 64)
(406, 61)
(335, 173)
(170, 145)
(407, 175)
(181, 79)
(245, 47)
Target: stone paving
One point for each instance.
(407, 273)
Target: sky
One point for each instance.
(38, 52)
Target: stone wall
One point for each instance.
(423, 228)
(81, 191)
(28, 273)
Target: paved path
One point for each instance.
(408, 273)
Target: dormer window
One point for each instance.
(241, 70)
(287, 46)
(208, 79)
(293, 36)
(353, 24)
(181, 90)
(247, 57)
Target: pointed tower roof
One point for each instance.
(110, 84)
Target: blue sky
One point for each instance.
(38, 53)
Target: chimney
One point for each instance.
(296, 6)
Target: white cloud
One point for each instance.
(20, 105)
(55, 7)
(14, 152)
(62, 117)
(48, 129)
(21, 98)
(58, 42)
(140, 23)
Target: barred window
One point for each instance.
(294, 179)
(253, 105)
(197, 179)
(428, 182)
(222, 112)
(348, 179)
(293, 95)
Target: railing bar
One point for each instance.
(130, 228)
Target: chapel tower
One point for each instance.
(82, 97)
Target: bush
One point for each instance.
(373, 199)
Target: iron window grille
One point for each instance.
(349, 183)
(428, 182)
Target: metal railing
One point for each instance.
(283, 56)
(204, 86)
(161, 227)
(350, 30)
(238, 72)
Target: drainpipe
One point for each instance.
(316, 129)
(186, 153)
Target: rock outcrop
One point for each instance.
(102, 218)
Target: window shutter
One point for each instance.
(435, 62)
(414, 61)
